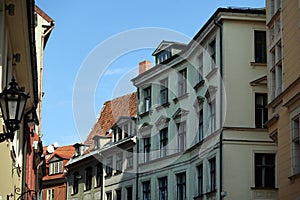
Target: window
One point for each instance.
(129, 193)
(181, 186)
(146, 190)
(147, 99)
(125, 129)
(118, 194)
(147, 146)
(119, 163)
(212, 174)
(264, 170)
(108, 168)
(88, 178)
(275, 65)
(119, 134)
(108, 196)
(295, 145)
(75, 182)
(163, 188)
(200, 72)
(99, 175)
(200, 179)
(200, 136)
(164, 91)
(56, 167)
(212, 53)
(261, 111)
(130, 158)
(212, 110)
(115, 132)
(182, 86)
(181, 136)
(260, 46)
(50, 194)
(163, 142)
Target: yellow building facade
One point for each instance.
(284, 85)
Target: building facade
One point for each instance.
(103, 166)
(20, 175)
(54, 181)
(284, 83)
(201, 115)
(35, 161)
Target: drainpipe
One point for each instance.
(137, 147)
(219, 25)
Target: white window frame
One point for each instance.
(295, 141)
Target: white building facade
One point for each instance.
(201, 115)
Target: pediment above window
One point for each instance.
(180, 113)
(162, 121)
(262, 81)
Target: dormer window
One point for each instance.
(162, 56)
(56, 167)
(96, 141)
(78, 149)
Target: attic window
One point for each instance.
(56, 167)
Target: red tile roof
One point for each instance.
(111, 111)
(43, 14)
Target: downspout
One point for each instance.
(220, 26)
(137, 147)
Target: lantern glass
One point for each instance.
(12, 102)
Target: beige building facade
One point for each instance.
(284, 86)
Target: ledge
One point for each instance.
(294, 177)
(146, 113)
(181, 97)
(263, 188)
(211, 73)
(165, 105)
(255, 64)
(199, 85)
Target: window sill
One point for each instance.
(199, 197)
(146, 113)
(211, 73)
(199, 85)
(165, 105)
(181, 97)
(117, 173)
(211, 193)
(263, 188)
(255, 64)
(108, 176)
(294, 177)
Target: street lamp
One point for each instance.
(12, 103)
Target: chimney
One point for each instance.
(144, 66)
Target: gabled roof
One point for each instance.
(43, 14)
(63, 152)
(165, 44)
(111, 111)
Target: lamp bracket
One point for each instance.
(5, 136)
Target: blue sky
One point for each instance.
(83, 28)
